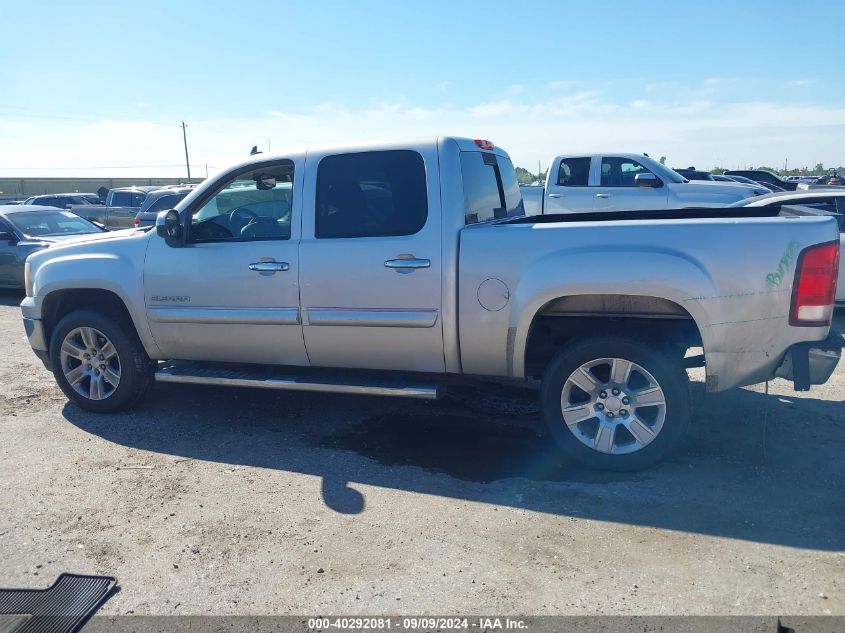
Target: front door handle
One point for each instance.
(407, 265)
(604, 195)
(269, 267)
(554, 195)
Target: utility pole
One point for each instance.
(185, 139)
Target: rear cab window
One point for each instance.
(491, 191)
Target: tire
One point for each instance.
(125, 361)
(641, 431)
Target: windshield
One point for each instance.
(661, 170)
(51, 223)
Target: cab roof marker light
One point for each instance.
(484, 144)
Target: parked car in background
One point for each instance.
(765, 177)
(160, 200)
(25, 229)
(828, 200)
(748, 181)
(624, 182)
(691, 173)
(122, 205)
(63, 200)
(310, 270)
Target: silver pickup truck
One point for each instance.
(625, 182)
(400, 268)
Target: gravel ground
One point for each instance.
(215, 501)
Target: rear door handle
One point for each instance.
(554, 195)
(408, 265)
(604, 195)
(269, 267)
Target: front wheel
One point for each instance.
(98, 361)
(616, 403)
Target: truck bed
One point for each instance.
(691, 213)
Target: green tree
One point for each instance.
(818, 170)
(718, 171)
(524, 177)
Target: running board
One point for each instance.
(327, 381)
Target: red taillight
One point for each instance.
(483, 144)
(814, 290)
(137, 222)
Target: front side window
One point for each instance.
(574, 172)
(620, 172)
(371, 194)
(121, 199)
(253, 205)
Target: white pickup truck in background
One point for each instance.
(624, 182)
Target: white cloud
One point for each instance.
(698, 131)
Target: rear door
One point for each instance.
(617, 189)
(568, 188)
(370, 260)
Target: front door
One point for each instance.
(231, 293)
(617, 189)
(370, 260)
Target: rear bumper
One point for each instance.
(811, 363)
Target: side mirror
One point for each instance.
(647, 180)
(169, 226)
(264, 182)
(5, 236)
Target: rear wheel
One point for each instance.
(98, 361)
(616, 403)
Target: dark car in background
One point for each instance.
(160, 200)
(691, 173)
(764, 177)
(25, 229)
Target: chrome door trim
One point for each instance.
(371, 318)
(218, 316)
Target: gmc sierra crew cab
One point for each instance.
(625, 182)
(397, 269)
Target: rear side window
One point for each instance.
(574, 172)
(371, 194)
(491, 190)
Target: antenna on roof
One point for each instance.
(254, 150)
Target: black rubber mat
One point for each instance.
(62, 608)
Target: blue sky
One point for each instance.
(104, 85)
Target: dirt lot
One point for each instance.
(207, 500)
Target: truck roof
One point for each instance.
(464, 145)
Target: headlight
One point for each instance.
(27, 281)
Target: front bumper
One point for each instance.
(34, 329)
(811, 363)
